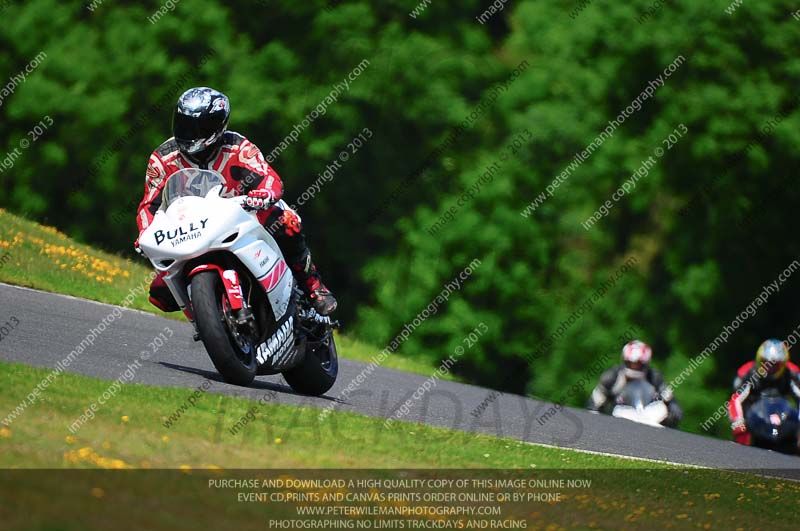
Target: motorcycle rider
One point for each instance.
(201, 139)
(635, 366)
(771, 371)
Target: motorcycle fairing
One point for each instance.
(193, 226)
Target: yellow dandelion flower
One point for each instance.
(69, 439)
(165, 438)
(5, 433)
(71, 457)
(125, 418)
(97, 492)
(278, 440)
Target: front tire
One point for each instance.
(317, 373)
(236, 365)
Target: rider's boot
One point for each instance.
(284, 224)
(309, 279)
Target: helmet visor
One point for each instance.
(773, 367)
(634, 365)
(195, 133)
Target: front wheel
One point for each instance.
(233, 355)
(317, 372)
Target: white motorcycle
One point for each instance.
(230, 279)
(640, 403)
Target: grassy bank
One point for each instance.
(130, 431)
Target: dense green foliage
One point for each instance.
(706, 227)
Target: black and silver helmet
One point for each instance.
(200, 119)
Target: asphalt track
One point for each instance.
(51, 325)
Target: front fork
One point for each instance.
(240, 318)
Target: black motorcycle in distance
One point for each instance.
(773, 424)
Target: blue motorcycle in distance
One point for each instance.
(773, 424)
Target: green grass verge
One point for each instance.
(40, 257)
(129, 431)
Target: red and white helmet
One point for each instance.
(636, 357)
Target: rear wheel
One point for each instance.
(318, 370)
(233, 354)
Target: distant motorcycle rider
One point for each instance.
(771, 372)
(201, 140)
(635, 365)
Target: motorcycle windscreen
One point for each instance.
(190, 182)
